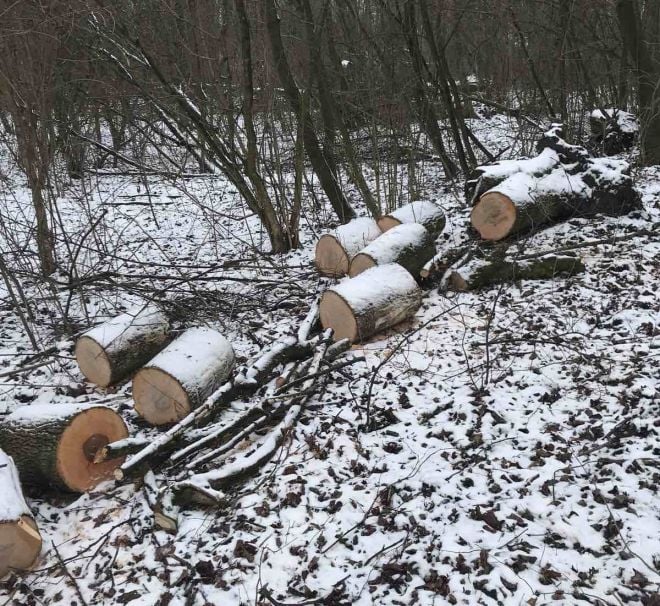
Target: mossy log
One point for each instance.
(481, 273)
(424, 212)
(375, 300)
(111, 351)
(54, 445)
(335, 250)
(182, 376)
(410, 245)
(20, 541)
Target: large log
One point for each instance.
(54, 445)
(20, 541)
(578, 186)
(335, 250)
(182, 376)
(424, 212)
(410, 245)
(480, 273)
(111, 351)
(377, 299)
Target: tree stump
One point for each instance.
(182, 376)
(335, 250)
(410, 245)
(111, 351)
(375, 300)
(20, 541)
(54, 445)
(424, 212)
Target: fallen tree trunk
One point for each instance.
(182, 376)
(424, 212)
(480, 273)
(109, 352)
(410, 245)
(20, 541)
(577, 186)
(54, 445)
(375, 300)
(335, 250)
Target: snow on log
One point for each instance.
(375, 300)
(577, 186)
(20, 541)
(488, 176)
(424, 212)
(480, 273)
(410, 245)
(109, 352)
(54, 445)
(182, 376)
(335, 250)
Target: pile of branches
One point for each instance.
(202, 459)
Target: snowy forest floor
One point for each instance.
(517, 454)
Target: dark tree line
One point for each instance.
(259, 89)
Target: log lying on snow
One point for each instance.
(109, 352)
(182, 376)
(576, 185)
(377, 299)
(54, 445)
(424, 212)
(480, 273)
(410, 245)
(20, 541)
(335, 250)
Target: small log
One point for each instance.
(441, 262)
(579, 186)
(111, 351)
(425, 212)
(20, 541)
(375, 300)
(54, 445)
(410, 245)
(182, 376)
(335, 250)
(480, 273)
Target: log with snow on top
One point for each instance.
(55, 445)
(111, 351)
(20, 541)
(424, 212)
(182, 376)
(576, 186)
(375, 300)
(335, 250)
(410, 245)
(612, 130)
(481, 273)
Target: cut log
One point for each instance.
(20, 541)
(577, 186)
(54, 445)
(182, 376)
(410, 245)
(335, 250)
(111, 351)
(480, 273)
(424, 212)
(377, 299)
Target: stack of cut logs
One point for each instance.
(187, 382)
(510, 198)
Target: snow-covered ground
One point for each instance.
(516, 458)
